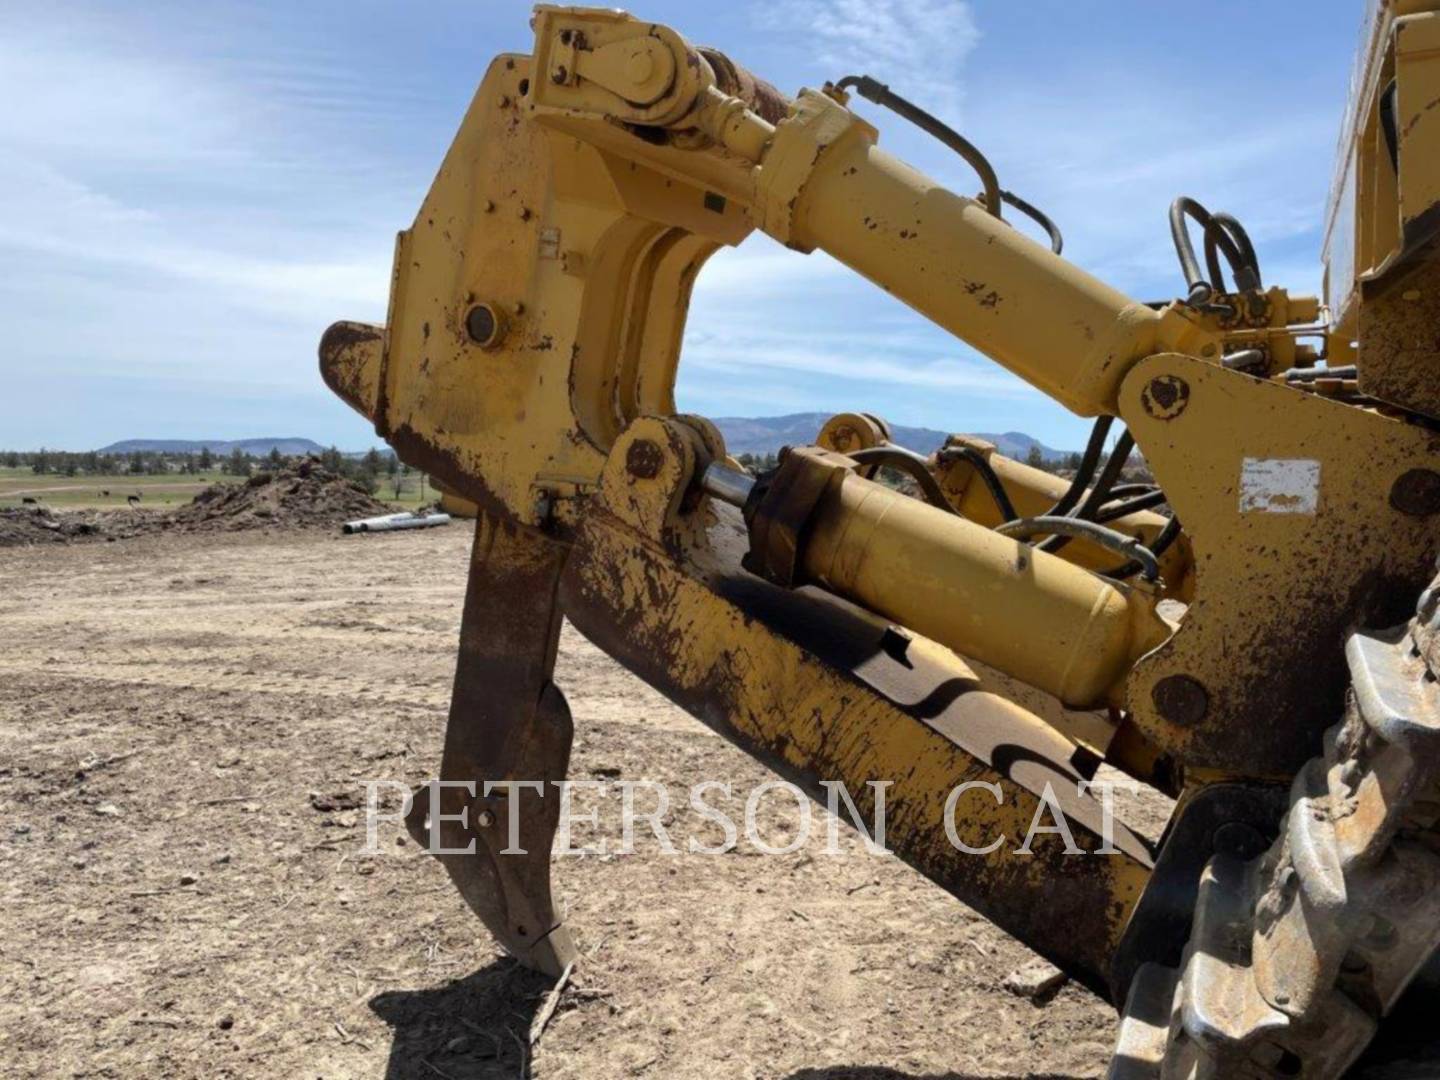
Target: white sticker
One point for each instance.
(1279, 486)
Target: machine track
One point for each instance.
(1296, 956)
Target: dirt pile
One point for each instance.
(305, 496)
(38, 525)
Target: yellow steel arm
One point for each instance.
(528, 361)
(819, 181)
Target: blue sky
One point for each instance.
(190, 193)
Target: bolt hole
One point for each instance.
(524, 87)
(483, 326)
(521, 931)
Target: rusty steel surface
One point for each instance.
(803, 683)
(764, 100)
(1299, 948)
(1399, 313)
(508, 721)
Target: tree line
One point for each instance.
(371, 470)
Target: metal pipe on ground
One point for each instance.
(391, 522)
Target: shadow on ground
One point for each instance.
(473, 1029)
(477, 1029)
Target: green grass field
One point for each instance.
(159, 492)
(74, 492)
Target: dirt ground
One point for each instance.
(184, 725)
(297, 496)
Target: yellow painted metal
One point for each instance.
(1032, 615)
(1417, 75)
(1283, 570)
(1272, 321)
(819, 181)
(537, 308)
(1376, 209)
(595, 60)
(652, 580)
(454, 504)
(590, 258)
(825, 184)
(1034, 491)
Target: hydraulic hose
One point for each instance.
(1057, 241)
(1083, 475)
(1114, 466)
(880, 94)
(1116, 510)
(987, 474)
(1066, 527)
(914, 466)
(1201, 291)
(1241, 239)
(1099, 495)
(1162, 543)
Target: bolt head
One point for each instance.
(1417, 493)
(643, 459)
(1180, 699)
(640, 67)
(1165, 397)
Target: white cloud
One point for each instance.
(1099, 161)
(933, 374)
(218, 184)
(193, 208)
(913, 44)
(49, 213)
(760, 267)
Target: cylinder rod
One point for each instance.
(726, 484)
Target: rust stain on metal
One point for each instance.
(736, 81)
(829, 654)
(1165, 397)
(643, 459)
(350, 355)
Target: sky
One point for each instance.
(190, 193)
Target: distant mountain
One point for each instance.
(743, 435)
(290, 447)
(766, 434)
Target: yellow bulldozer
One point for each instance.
(1255, 633)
